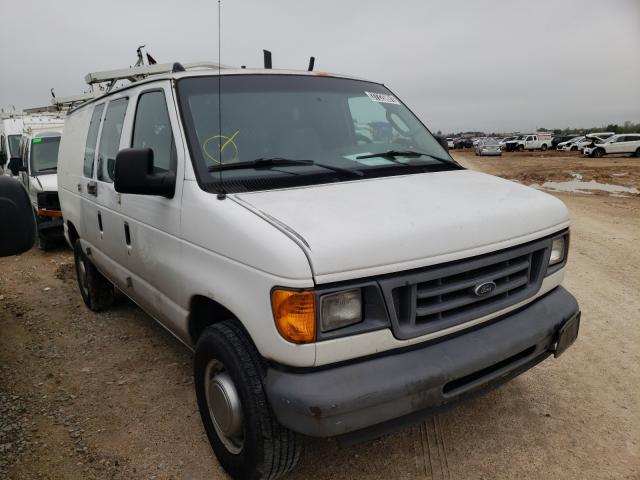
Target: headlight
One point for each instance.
(340, 309)
(558, 250)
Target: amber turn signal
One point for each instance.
(295, 314)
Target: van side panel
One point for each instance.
(70, 162)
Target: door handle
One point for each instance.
(92, 188)
(127, 234)
(100, 222)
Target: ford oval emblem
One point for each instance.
(484, 289)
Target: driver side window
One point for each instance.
(152, 129)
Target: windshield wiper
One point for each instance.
(392, 154)
(280, 162)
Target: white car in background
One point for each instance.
(624, 143)
(503, 142)
(592, 139)
(570, 145)
(450, 143)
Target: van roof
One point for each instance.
(213, 72)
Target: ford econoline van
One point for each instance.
(330, 282)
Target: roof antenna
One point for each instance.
(267, 59)
(312, 62)
(221, 193)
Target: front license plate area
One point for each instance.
(567, 334)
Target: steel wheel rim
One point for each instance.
(223, 404)
(82, 276)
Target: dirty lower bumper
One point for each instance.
(383, 393)
(51, 228)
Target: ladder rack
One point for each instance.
(45, 109)
(65, 103)
(134, 74)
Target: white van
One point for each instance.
(328, 282)
(11, 127)
(37, 171)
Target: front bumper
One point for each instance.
(365, 399)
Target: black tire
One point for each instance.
(544, 147)
(521, 148)
(597, 153)
(97, 292)
(574, 148)
(637, 154)
(267, 450)
(44, 244)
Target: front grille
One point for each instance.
(443, 296)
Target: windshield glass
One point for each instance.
(44, 155)
(14, 144)
(328, 121)
(491, 142)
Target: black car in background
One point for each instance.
(463, 143)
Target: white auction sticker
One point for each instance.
(382, 98)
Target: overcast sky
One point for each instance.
(460, 65)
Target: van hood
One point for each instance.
(376, 226)
(49, 182)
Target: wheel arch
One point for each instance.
(204, 312)
(72, 233)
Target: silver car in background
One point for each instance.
(487, 146)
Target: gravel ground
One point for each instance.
(110, 395)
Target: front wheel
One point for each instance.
(521, 148)
(598, 152)
(544, 147)
(637, 152)
(240, 424)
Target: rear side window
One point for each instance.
(152, 129)
(92, 138)
(110, 138)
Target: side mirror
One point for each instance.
(134, 174)
(15, 165)
(16, 218)
(443, 142)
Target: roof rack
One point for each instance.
(137, 73)
(44, 109)
(65, 103)
(8, 115)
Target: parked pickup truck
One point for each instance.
(532, 141)
(330, 284)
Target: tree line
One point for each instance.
(626, 127)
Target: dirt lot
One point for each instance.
(97, 396)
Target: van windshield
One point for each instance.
(44, 155)
(14, 144)
(301, 130)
